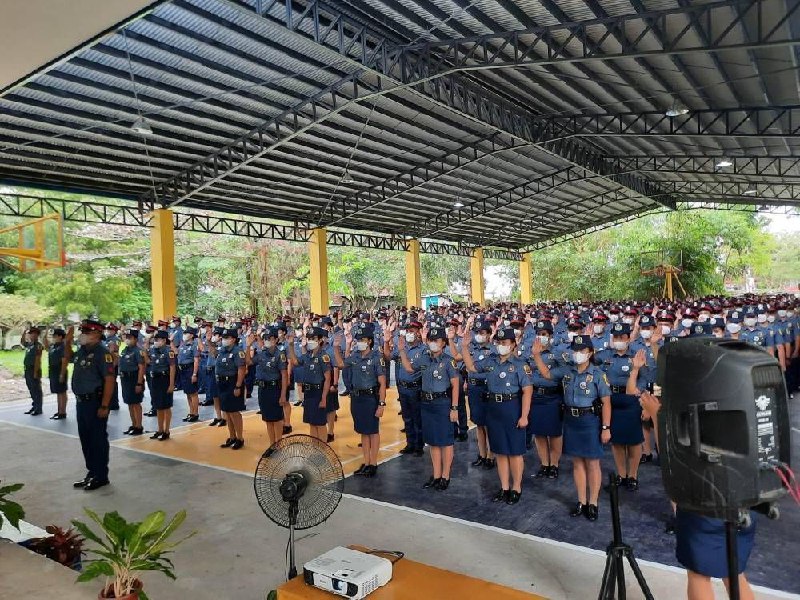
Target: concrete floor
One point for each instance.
(239, 553)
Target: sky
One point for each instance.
(783, 224)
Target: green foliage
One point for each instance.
(17, 311)
(10, 510)
(126, 548)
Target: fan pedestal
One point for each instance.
(293, 509)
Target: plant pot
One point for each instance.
(108, 592)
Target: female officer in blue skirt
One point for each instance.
(317, 376)
(188, 367)
(368, 392)
(545, 417)
(508, 401)
(132, 364)
(626, 413)
(439, 402)
(587, 421)
(57, 371)
(480, 349)
(162, 383)
(231, 367)
(272, 381)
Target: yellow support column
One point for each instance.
(162, 265)
(476, 276)
(526, 279)
(413, 279)
(318, 253)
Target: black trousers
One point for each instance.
(35, 389)
(94, 438)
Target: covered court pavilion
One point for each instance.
(481, 128)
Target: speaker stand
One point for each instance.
(617, 551)
(731, 546)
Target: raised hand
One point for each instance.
(537, 348)
(639, 359)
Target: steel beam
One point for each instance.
(751, 166)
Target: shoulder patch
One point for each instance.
(171, 354)
(527, 369)
(109, 358)
(453, 362)
(326, 359)
(383, 362)
(605, 378)
(241, 354)
(141, 352)
(283, 356)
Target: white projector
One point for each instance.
(348, 573)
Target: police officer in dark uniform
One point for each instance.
(57, 371)
(112, 342)
(409, 385)
(32, 362)
(480, 349)
(93, 382)
(368, 394)
(161, 365)
(188, 372)
(231, 369)
(317, 376)
(545, 417)
(147, 344)
(439, 397)
(271, 381)
(508, 397)
(132, 365)
(212, 347)
(332, 403)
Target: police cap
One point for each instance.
(367, 330)
(318, 332)
(581, 342)
(134, 333)
(437, 333)
(88, 325)
(620, 329)
(59, 331)
(162, 335)
(192, 330)
(505, 333)
(544, 326)
(646, 321)
(230, 332)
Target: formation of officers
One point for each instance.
(562, 377)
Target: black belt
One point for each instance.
(312, 386)
(267, 382)
(89, 397)
(366, 391)
(129, 373)
(501, 397)
(547, 391)
(579, 412)
(159, 373)
(186, 366)
(480, 382)
(226, 377)
(209, 369)
(411, 385)
(430, 396)
(618, 389)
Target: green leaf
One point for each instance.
(142, 595)
(9, 489)
(95, 568)
(12, 511)
(151, 524)
(88, 533)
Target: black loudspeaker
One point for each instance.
(723, 425)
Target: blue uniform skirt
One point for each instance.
(312, 413)
(437, 430)
(298, 374)
(626, 420)
(582, 436)
(56, 387)
(505, 437)
(332, 405)
(185, 372)
(127, 382)
(212, 391)
(363, 408)
(477, 404)
(159, 384)
(269, 400)
(228, 402)
(545, 415)
(700, 544)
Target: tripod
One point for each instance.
(614, 572)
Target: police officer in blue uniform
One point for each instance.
(271, 381)
(332, 403)
(132, 365)
(461, 426)
(57, 371)
(649, 340)
(409, 385)
(213, 345)
(188, 371)
(32, 363)
(161, 364)
(317, 377)
(92, 383)
(368, 394)
(509, 389)
(439, 402)
(545, 420)
(112, 342)
(283, 327)
(480, 349)
(231, 368)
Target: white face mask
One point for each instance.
(480, 338)
(312, 344)
(750, 322)
(361, 346)
(411, 337)
(613, 318)
(619, 345)
(503, 350)
(269, 344)
(434, 346)
(733, 327)
(147, 336)
(718, 334)
(598, 328)
(762, 318)
(771, 318)
(703, 317)
(687, 323)
(627, 320)
(187, 337)
(646, 333)
(665, 329)
(175, 324)
(108, 332)
(83, 339)
(544, 340)
(571, 335)
(215, 339)
(580, 357)
(227, 342)
(518, 332)
(782, 314)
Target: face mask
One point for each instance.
(312, 344)
(315, 323)
(480, 338)
(598, 328)
(518, 332)
(703, 317)
(580, 357)
(411, 337)
(174, 324)
(108, 332)
(187, 337)
(771, 318)
(628, 320)
(762, 318)
(646, 333)
(215, 339)
(613, 318)
(147, 336)
(506, 322)
(718, 334)
(83, 339)
(750, 322)
(686, 323)
(227, 342)
(433, 346)
(361, 346)
(733, 327)
(782, 314)
(544, 340)
(571, 335)
(665, 329)
(503, 350)
(619, 345)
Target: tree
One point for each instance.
(17, 311)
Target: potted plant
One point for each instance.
(128, 548)
(10, 510)
(62, 546)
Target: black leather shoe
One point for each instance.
(345, 393)
(542, 472)
(298, 403)
(403, 430)
(331, 437)
(360, 470)
(150, 413)
(591, 512)
(94, 484)
(670, 528)
(258, 412)
(443, 485)
(82, 482)
(228, 443)
(371, 471)
(137, 431)
(193, 418)
(633, 484)
(214, 422)
(489, 463)
(55, 417)
(27, 412)
(578, 510)
(407, 450)
(552, 472)
(430, 483)
(186, 418)
(462, 437)
(36, 413)
(478, 461)
(237, 444)
(287, 429)
(222, 423)
(419, 452)
(646, 458)
(500, 496)
(128, 431)
(156, 435)
(164, 436)
(513, 497)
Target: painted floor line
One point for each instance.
(35, 428)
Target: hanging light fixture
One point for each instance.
(750, 192)
(676, 111)
(723, 163)
(347, 178)
(458, 204)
